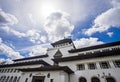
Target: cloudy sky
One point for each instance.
(27, 27)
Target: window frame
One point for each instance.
(90, 66)
(80, 66)
(116, 63)
(104, 65)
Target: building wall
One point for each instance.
(61, 76)
(57, 76)
(63, 49)
(98, 72)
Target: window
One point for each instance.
(30, 75)
(117, 63)
(110, 79)
(82, 79)
(2, 70)
(26, 79)
(15, 79)
(95, 79)
(7, 79)
(104, 65)
(51, 80)
(5, 70)
(8, 70)
(18, 79)
(15, 70)
(80, 67)
(11, 79)
(3, 79)
(91, 66)
(11, 70)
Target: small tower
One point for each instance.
(63, 42)
(60, 49)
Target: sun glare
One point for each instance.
(46, 9)
(43, 8)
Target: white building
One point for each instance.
(65, 63)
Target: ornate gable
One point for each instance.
(58, 54)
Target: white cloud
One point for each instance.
(5, 61)
(35, 36)
(115, 3)
(31, 18)
(36, 50)
(8, 51)
(7, 19)
(2, 60)
(85, 42)
(105, 21)
(58, 26)
(0, 40)
(43, 39)
(9, 30)
(110, 34)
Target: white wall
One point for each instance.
(88, 74)
(57, 76)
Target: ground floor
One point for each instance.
(62, 76)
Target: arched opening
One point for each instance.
(7, 79)
(11, 79)
(18, 79)
(3, 78)
(82, 79)
(110, 79)
(15, 79)
(95, 79)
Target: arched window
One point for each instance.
(15, 79)
(3, 79)
(7, 79)
(18, 79)
(11, 79)
(95, 79)
(82, 79)
(110, 79)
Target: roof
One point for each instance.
(95, 47)
(34, 57)
(89, 55)
(48, 68)
(25, 63)
(62, 42)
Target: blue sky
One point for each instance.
(27, 27)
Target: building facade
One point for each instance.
(65, 63)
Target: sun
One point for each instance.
(41, 9)
(46, 9)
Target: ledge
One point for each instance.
(25, 63)
(96, 54)
(48, 68)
